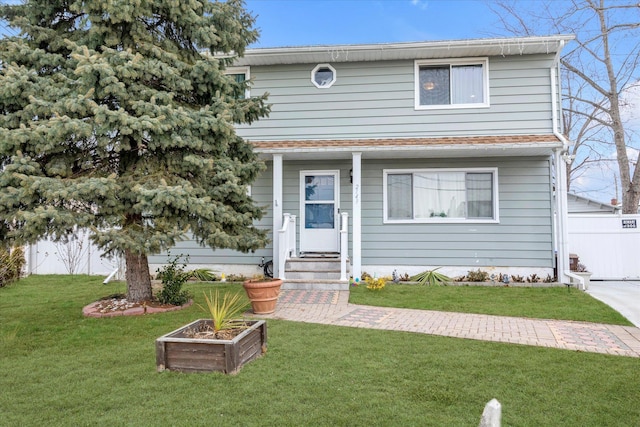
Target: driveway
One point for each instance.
(623, 297)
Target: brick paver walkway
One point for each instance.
(333, 308)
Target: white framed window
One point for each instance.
(440, 195)
(460, 83)
(323, 76)
(240, 74)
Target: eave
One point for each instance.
(403, 148)
(403, 51)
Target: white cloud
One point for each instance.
(630, 110)
(422, 4)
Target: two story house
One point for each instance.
(407, 156)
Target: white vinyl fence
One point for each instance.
(608, 245)
(78, 256)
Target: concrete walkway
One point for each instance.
(624, 297)
(333, 308)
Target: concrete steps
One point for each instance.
(314, 273)
(315, 285)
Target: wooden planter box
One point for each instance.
(176, 352)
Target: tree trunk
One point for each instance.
(138, 278)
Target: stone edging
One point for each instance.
(91, 310)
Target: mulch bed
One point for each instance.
(118, 305)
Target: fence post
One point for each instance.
(492, 414)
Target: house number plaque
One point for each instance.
(629, 223)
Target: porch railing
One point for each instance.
(286, 242)
(344, 244)
(288, 248)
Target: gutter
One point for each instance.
(560, 159)
(401, 51)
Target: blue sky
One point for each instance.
(320, 22)
(327, 22)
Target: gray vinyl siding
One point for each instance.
(261, 192)
(376, 100)
(522, 238)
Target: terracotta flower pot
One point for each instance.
(263, 294)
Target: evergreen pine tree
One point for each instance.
(117, 116)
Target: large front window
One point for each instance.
(463, 83)
(440, 195)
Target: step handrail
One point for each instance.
(286, 242)
(344, 244)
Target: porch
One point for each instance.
(311, 270)
(524, 162)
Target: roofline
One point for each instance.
(404, 50)
(526, 145)
(594, 202)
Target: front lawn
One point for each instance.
(534, 302)
(58, 368)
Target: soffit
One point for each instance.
(404, 51)
(449, 147)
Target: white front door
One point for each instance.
(319, 198)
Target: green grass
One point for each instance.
(58, 368)
(541, 303)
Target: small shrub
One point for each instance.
(376, 284)
(236, 278)
(517, 279)
(549, 279)
(533, 278)
(460, 278)
(477, 276)
(364, 276)
(173, 277)
(11, 264)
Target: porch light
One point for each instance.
(351, 176)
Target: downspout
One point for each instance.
(565, 275)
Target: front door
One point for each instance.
(319, 198)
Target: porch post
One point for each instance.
(357, 211)
(277, 211)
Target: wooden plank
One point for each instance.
(160, 356)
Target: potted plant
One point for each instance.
(581, 270)
(263, 293)
(222, 343)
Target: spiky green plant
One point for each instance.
(202, 275)
(431, 277)
(224, 311)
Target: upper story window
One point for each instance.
(323, 76)
(240, 74)
(452, 84)
(440, 195)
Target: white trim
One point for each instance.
(277, 211)
(246, 70)
(461, 61)
(328, 84)
(506, 46)
(356, 227)
(436, 220)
